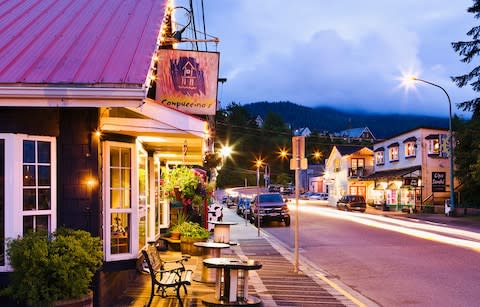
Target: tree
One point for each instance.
(467, 158)
(467, 155)
(468, 50)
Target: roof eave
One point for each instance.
(42, 96)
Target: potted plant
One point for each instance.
(190, 233)
(53, 269)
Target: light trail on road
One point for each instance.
(401, 227)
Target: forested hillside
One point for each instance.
(331, 120)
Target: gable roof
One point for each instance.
(92, 42)
(355, 132)
(348, 150)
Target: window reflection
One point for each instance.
(120, 233)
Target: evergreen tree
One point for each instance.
(467, 159)
(468, 50)
(467, 154)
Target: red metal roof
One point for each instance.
(91, 42)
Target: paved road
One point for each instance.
(391, 268)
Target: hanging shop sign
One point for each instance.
(438, 181)
(188, 80)
(413, 182)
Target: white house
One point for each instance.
(305, 131)
(412, 169)
(363, 133)
(345, 169)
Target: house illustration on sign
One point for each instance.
(189, 75)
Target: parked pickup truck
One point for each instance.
(269, 207)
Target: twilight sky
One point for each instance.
(345, 54)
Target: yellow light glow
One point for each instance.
(91, 182)
(317, 154)
(98, 133)
(283, 153)
(258, 162)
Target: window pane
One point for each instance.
(29, 199)
(115, 178)
(114, 156)
(28, 151)
(29, 175)
(42, 223)
(125, 157)
(354, 163)
(43, 152)
(126, 199)
(43, 175)
(126, 178)
(44, 199)
(27, 224)
(115, 196)
(120, 233)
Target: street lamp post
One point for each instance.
(258, 163)
(450, 140)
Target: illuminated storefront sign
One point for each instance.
(187, 80)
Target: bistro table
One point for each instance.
(221, 232)
(229, 290)
(210, 250)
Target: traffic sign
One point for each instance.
(298, 164)
(298, 147)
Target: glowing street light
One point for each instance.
(226, 151)
(317, 155)
(283, 153)
(407, 81)
(258, 164)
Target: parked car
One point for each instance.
(274, 188)
(352, 202)
(318, 196)
(243, 206)
(269, 207)
(287, 190)
(231, 201)
(306, 195)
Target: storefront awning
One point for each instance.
(177, 137)
(391, 174)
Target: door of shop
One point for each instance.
(358, 190)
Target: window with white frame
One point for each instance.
(410, 149)
(121, 220)
(161, 205)
(379, 158)
(336, 165)
(393, 154)
(37, 185)
(144, 210)
(434, 146)
(28, 185)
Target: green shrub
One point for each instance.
(191, 230)
(52, 267)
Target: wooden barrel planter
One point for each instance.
(187, 247)
(84, 301)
